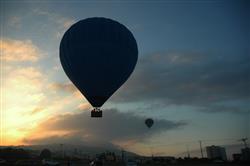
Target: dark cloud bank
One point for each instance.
(211, 82)
(114, 126)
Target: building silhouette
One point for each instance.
(245, 154)
(216, 152)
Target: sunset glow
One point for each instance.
(192, 77)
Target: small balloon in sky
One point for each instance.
(98, 55)
(149, 122)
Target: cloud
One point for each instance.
(192, 79)
(28, 100)
(114, 127)
(23, 84)
(209, 83)
(22, 93)
(36, 110)
(19, 51)
(24, 81)
(26, 97)
(66, 22)
(84, 106)
(62, 22)
(68, 87)
(15, 21)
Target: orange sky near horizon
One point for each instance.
(25, 91)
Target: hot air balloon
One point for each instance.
(98, 55)
(149, 122)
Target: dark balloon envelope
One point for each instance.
(149, 122)
(98, 55)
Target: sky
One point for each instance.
(192, 76)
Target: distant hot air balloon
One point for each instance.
(98, 55)
(149, 122)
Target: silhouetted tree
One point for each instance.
(45, 154)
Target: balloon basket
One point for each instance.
(96, 113)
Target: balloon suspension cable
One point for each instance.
(96, 112)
